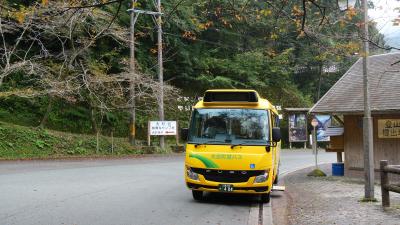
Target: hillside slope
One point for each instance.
(19, 142)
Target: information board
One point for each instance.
(161, 128)
(298, 127)
(389, 128)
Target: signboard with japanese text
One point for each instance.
(389, 128)
(298, 127)
(161, 128)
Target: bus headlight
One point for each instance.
(262, 178)
(192, 175)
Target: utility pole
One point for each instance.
(134, 13)
(132, 124)
(367, 120)
(160, 70)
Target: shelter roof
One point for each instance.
(347, 96)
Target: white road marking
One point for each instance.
(254, 214)
(267, 214)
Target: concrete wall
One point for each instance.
(388, 149)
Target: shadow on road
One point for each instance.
(229, 199)
(276, 195)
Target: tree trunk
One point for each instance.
(93, 120)
(1, 80)
(319, 82)
(112, 142)
(97, 143)
(95, 128)
(46, 115)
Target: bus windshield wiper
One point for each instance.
(207, 142)
(253, 143)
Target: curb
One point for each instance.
(266, 209)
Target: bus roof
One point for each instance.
(212, 99)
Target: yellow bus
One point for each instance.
(233, 144)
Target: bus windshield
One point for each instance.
(233, 126)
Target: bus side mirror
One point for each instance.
(184, 134)
(276, 134)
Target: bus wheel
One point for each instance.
(197, 195)
(265, 198)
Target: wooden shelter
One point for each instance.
(345, 100)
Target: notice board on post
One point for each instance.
(162, 128)
(298, 127)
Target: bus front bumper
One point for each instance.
(237, 188)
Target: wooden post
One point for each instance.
(339, 157)
(367, 119)
(132, 123)
(290, 143)
(97, 142)
(177, 134)
(148, 133)
(160, 70)
(384, 184)
(112, 142)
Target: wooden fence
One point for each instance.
(385, 184)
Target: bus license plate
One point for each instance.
(225, 187)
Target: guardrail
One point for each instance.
(385, 184)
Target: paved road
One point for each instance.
(129, 191)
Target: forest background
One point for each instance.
(64, 65)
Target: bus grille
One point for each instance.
(228, 176)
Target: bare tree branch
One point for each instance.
(95, 5)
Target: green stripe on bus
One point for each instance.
(207, 162)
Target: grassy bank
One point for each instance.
(19, 142)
